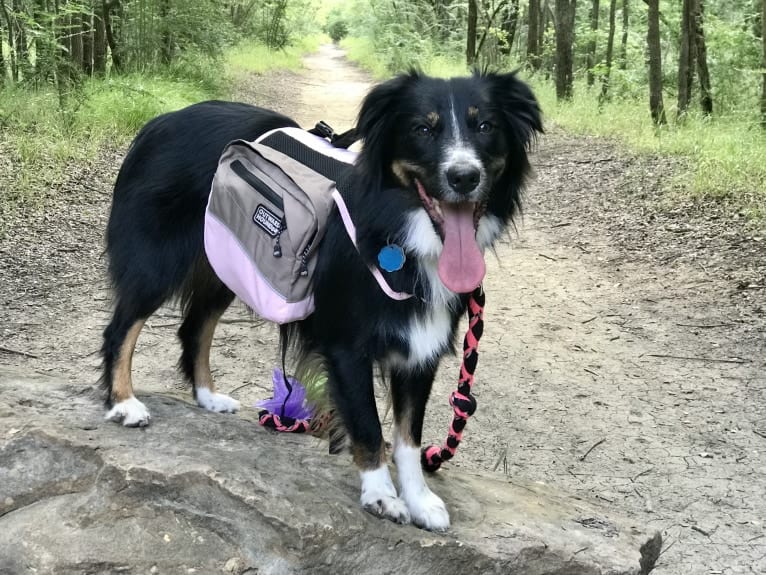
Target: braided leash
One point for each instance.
(284, 424)
(462, 401)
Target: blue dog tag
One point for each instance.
(391, 258)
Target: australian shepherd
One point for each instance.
(440, 174)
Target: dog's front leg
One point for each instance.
(353, 394)
(410, 390)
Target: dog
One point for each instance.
(440, 175)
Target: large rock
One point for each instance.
(206, 493)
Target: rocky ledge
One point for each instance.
(204, 493)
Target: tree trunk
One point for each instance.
(470, 45)
(75, 46)
(2, 56)
(11, 45)
(533, 46)
(565, 16)
(706, 92)
(99, 45)
(656, 106)
(591, 56)
(609, 51)
(510, 22)
(763, 63)
(23, 62)
(624, 42)
(166, 50)
(546, 17)
(111, 40)
(87, 43)
(685, 59)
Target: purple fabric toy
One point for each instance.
(289, 398)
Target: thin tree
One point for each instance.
(609, 51)
(591, 56)
(111, 38)
(706, 92)
(2, 57)
(470, 45)
(509, 25)
(656, 106)
(624, 41)
(11, 37)
(533, 23)
(565, 18)
(685, 59)
(763, 63)
(99, 45)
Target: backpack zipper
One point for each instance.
(256, 183)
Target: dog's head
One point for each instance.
(460, 147)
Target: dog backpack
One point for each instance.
(269, 203)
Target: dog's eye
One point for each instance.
(422, 130)
(485, 128)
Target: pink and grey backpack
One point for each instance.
(266, 215)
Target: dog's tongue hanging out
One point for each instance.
(461, 263)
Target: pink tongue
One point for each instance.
(461, 263)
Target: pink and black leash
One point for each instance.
(462, 400)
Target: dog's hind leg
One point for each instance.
(120, 338)
(410, 391)
(205, 301)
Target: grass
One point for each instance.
(726, 154)
(40, 140)
(259, 59)
(363, 52)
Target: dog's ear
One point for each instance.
(379, 107)
(518, 104)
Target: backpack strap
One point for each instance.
(351, 231)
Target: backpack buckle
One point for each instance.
(323, 130)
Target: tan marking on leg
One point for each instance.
(122, 383)
(366, 460)
(202, 375)
(403, 429)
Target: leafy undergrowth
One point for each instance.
(724, 155)
(41, 137)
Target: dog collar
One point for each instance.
(351, 231)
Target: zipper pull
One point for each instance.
(304, 267)
(277, 247)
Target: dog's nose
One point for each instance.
(463, 179)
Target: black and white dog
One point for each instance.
(440, 175)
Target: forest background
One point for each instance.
(685, 78)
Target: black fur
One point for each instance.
(155, 247)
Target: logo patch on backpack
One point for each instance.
(267, 220)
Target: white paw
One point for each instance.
(217, 402)
(427, 510)
(131, 412)
(379, 496)
(386, 506)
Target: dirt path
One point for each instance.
(623, 358)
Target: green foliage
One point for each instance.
(47, 125)
(725, 155)
(256, 57)
(337, 27)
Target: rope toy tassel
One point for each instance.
(462, 401)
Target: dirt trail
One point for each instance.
(620, 360)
